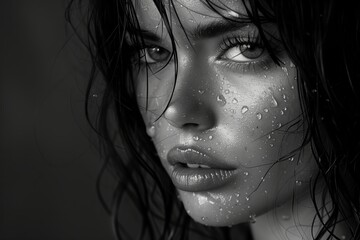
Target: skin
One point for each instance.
(245, 112)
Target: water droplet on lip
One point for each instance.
(259, 116)
(221, 100)
(244, 109)
(151, 131)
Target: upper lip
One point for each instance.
(194, 155)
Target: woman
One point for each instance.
(231, 112)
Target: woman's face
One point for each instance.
(229, 135)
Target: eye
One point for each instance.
(243, 52)
(154, 54)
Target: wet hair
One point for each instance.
(322, 38)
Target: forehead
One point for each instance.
(190, 12)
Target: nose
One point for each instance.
(190, 113)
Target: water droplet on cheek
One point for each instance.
(221, 100)
(244, 109)
(273, 102)
(259, 116)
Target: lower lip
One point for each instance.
(200, 179)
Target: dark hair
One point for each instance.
(323, 40)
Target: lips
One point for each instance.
(193, 170)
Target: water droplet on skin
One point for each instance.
(209, 149)
(196, 138)
(271, 145)
(203, 218)
(210, 137)
(246, 173)
(265, 191)
(298, 182)
(281, 112)
(292, 65)
(259, 116)
(343, 237)
(284, 96)
(285, 217)
(235, 101)
(151, 131)
(188, 211)
(273, 102)
(193, 194)
(285, 108)
(269, 136)
(244, 109)
(201, 91)
(95, 95)
(220, 209)
(292, 87)
(252, 218)
(233, 14)
(285, 70)
(279, 125)
(237, 194)
(247, 198)
(221, 100)
(227, 91)
(291, 159)
(265, 76)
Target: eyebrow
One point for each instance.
(209, 30)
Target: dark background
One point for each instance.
(48, 157)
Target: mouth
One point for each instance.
(192, 170)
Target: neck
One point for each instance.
(294, 220)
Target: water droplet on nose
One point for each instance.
(298, 182)
(252, 218)
(244, 109)
(151, 131)
(273, 102)
(259, 116)
(235, 101)
(221, 100)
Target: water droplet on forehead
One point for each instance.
(221, 100)
(285, 70)
(273, 102)
(259, 116)
(235, 101)
(244, 109)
